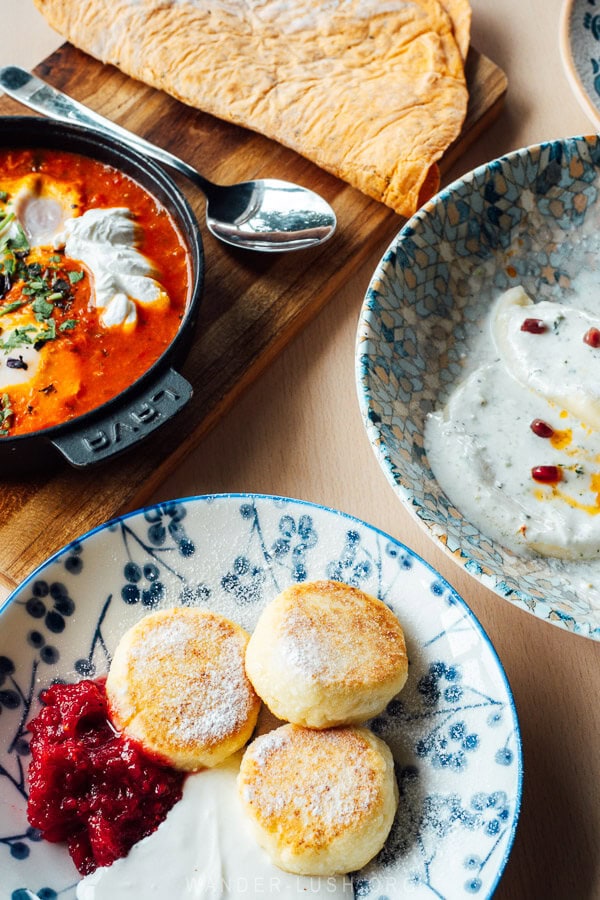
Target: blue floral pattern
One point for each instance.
(514, 221)
(453, 730)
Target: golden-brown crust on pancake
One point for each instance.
(324, 653)
(177, 685)
(373, 97)
(321, 802)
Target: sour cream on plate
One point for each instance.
(204, 850)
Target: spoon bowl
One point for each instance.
(267, 215)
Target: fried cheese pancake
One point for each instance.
(324, 653)
(177, 685)
(373, 93)
(320, 802)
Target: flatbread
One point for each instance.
(460, 13)
(371, 90)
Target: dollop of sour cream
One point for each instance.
(204, 850)
(105, 241)
(516, 448)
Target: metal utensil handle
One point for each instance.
(43, 98)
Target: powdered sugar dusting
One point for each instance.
(264, 747)
(307, 648)
(324, 780)
(204, 700)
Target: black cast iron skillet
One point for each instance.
(133, 414)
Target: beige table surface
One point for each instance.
(298, 432)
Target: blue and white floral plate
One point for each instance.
(530, 218)
(580, 53)
(453, 729)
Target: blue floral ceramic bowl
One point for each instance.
(580, 53)
(453, 729)
(529, 218)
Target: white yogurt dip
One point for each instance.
(105, 241)
(496, 464)
(555, 362)
(204, 850)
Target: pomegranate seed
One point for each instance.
(541, 428)
(534, 326)
(592, 337)
(547, 474)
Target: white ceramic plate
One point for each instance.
(580, 53)
(453, 729)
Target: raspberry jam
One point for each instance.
(88, 785)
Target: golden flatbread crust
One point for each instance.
(460, 13)
(372, 92)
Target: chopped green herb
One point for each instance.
(68, 325)
(3, 196)
(9, 265)
(4, 222)
(42, 309)
(19, 241)
(55, 259)
(10, 307)
(74, 277)
(49, 334)
(19, 337)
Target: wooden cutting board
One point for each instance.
(253, 304)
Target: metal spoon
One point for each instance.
(266, 214)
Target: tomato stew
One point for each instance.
(47, 299)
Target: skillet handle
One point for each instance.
(130, 423)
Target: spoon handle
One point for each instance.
(43, 98)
